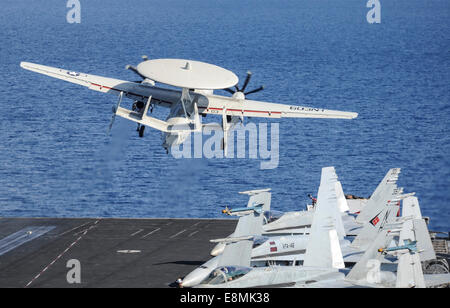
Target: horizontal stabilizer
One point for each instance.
(146, 120)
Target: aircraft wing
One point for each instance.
(132, 90)
(249, 108)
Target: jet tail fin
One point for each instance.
(411, 207)
(239, 253)
(323, 248)
(409, 272)
(372, 228)
(368, 266)
(382, 193)
(417, 229)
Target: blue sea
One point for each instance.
(57, 159)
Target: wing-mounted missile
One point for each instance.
(409, 245)
(242, 211)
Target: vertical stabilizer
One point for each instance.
(411, 207)
(380, 196)
(342, 202)
(368, 267)
(323, 249)
(417, 229)
(239, 253)
(409, 271)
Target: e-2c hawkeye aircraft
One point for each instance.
(197, 81)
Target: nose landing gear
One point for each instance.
(139, 107)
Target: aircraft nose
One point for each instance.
(217, 250)
(187, 282)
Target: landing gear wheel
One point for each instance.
(141, 131)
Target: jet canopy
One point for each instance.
(271, 216)
(226, 273)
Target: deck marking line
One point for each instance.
(61, 254)
(139, 231)
(178, 233)
(156, 230)
(192, 233)
(61, 234)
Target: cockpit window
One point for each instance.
(271, 216)
(228, 273)
(259, 240)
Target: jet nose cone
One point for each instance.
(187, 283)
(217, 250)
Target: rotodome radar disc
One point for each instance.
(188, 74)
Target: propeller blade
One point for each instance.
(134, 69)
(255, 90)
(247, 80)
(229, 90)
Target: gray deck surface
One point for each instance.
(34, 251)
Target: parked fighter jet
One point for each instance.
(323, 256)
(292, 223)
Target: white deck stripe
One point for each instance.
(156, 230)
(177, 233)
(139, 231)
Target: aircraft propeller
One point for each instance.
(134, 69)
(244, 86)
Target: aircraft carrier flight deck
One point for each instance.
(114, 252)
(34, 252)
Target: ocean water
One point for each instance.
(57, 160)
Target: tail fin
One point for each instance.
(411, 207)
(368, 267)
(342, 202)
(417, 229)
(258, 197)
(380, 196)
(409, 270)
(323, 249)
(329, 182)
(239, 253)
(372, 228)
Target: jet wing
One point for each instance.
(249, 108)
(132, 90)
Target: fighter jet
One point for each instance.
(370, 270)
(323, 255)
(298, 223)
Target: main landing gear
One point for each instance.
(141, 129)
